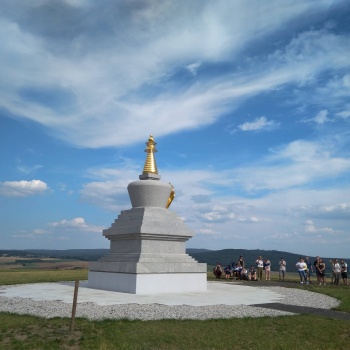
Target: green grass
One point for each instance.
(8, 277)
(285, 332)
(27, 332)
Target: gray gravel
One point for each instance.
(301, 297)
(91, 311)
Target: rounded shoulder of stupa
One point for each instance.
(149, 193)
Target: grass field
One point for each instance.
(19, 263)
(286, 332)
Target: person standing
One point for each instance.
(282, 271)
(308, 269)
(336, 271)
(260, 265)
(344, 271)
(316, 269)
(241, 261)
(332, 264)
(321, 266)
(300, 265)
(267, 266)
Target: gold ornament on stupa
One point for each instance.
(171, 197)
(150, 163)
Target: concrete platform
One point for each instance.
(216, 294)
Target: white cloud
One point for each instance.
(343, 207)
(320, 118)
(258, 124)
(193, 67)
(64, 230)
(74, 225)
(345, 114)
(206, 231)
(311, 228)
(22, 188)
(39, 231)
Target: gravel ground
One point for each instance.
(301, 297)
(91, 311)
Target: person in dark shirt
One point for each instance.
(309, 268)
(316, 269)
(227, 271)
(241, 261)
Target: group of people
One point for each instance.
(306, 270)
(238, 271)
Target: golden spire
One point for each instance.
(150, 163)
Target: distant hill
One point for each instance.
(195, 250)
(78, 254)
(211, 257)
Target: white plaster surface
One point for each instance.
(148, 283)
(216, 294)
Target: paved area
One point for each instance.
(217, 294)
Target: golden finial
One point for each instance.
(171, 196)
(150, 163)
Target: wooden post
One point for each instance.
(74, 307)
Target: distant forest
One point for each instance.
(211, 257)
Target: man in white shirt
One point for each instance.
(336, 270)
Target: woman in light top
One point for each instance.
(267, 265)
(301, 266)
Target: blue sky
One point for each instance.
(249, 102)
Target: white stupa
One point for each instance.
(148, 243)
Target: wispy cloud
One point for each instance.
(258, 124)
(95, 97)
(300, 163)
(28, 169)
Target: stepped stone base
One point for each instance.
(148, 255)
(148, 283)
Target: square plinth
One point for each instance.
(148, 283)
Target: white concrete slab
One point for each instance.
(216, 294)
(148, 283)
